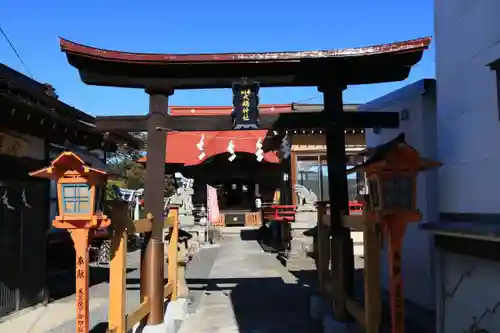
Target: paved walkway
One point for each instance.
(233, 288)
(59, 316)
(248, 291)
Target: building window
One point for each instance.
(312, 173)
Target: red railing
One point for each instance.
(355, 207)
(284, 213)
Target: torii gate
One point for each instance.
(331, 71)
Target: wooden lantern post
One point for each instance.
(392, 171)
(77, 185)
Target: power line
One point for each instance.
(307, 99)
(15, 52)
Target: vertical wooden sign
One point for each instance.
(395, 233)
(81, 241)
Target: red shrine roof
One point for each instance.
(360, 65)
(182, 146)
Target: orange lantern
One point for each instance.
(77, 187)
(391, 170)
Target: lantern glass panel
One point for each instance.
(76, 199)
(373, 193)
(398, 192)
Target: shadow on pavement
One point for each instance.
(417, 319)
(308, 278)
(264, 237)
(251, 235)
(99, 328)
(61, 283)
(262, 304)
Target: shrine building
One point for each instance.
(205, 156)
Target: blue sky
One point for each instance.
(203, 27)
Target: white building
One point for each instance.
(467, 41)
(451, 260)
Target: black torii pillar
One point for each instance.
(342, 256)
(152, 270)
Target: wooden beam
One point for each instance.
(323, 243)
(293, 175)
(341, 252)
(372, 284)
(316, 120)
(134, 317)
(145, 225)
(208, 123)
(118, 268)
(154, 204)
(283, 121)
(121, 123)
(138, 226)
(172, 256)
(168, 289)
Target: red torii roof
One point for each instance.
(81, 50)
(182, 149)
(359, 65)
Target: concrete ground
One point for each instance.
(248, 290)
(59, 316)
(233, 287)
